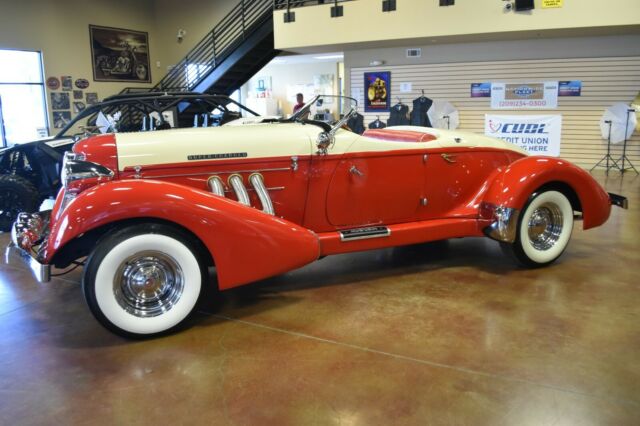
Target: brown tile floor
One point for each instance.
(445, 333)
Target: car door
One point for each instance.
(455, 174)
(376, 182)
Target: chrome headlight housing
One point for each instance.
(78, 174)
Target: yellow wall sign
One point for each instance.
(551, 3)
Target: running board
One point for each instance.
(364, 233)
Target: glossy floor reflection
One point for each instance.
(443, 333)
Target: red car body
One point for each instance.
(386, 188)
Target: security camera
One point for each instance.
(180, 35)
(508, 6)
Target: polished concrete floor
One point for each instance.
(446, 333)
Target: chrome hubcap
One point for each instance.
(148, 284)
(545, 226)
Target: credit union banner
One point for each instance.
(537, 134)
(524, 95)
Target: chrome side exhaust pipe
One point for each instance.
(235, 181)
(216, 186)
(257, 182)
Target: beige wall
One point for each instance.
(60, 30)
(197, 17)
(415, 20)
(605, 81)
(569, 47)
(283, 75)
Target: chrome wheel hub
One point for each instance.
(545, 226)
(148, 284)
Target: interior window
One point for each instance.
(22, 97)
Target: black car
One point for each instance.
(30, 172)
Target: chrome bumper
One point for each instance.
(29, 232)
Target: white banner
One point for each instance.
(524, 95)
(537, 134)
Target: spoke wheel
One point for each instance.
(148, 284)
(544, 229)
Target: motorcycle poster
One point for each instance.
(119, 55)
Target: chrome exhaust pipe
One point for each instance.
(235, 181)
(216, 186)
(257, 182)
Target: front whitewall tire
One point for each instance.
(133, 262)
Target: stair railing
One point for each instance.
(215, 47)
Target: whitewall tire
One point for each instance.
(544, 229)
(142, 281)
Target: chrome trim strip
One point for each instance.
(366, 233)
(273, 188)
(217, 172)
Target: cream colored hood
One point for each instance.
(215, 143)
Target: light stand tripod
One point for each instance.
(446, 117)
(624, 147)
(606, 158)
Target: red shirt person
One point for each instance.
(300, 102)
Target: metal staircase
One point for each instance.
(228, 56)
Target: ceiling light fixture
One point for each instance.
(329, 57)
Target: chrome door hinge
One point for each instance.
(294, 163)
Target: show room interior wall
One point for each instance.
(285, 75)
(445, 75)
(60, 30)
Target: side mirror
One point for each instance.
(325, 140)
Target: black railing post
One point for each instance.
(243, 23)
(213, 46)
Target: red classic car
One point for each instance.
(151, 212)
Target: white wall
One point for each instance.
(284, 75)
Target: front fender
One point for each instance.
(514, 185)
(246, 244)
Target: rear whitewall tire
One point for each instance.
(127, 266)
(544, 229)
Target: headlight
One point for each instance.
(78, 174)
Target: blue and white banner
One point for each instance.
(537, 134)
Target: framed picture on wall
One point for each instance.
(377, 91)
(119, 55)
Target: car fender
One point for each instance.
(245, 243)
(513, 186)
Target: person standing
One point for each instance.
(299, 104)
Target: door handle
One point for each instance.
(448, 158)
(354, 171)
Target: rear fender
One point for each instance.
(246, 244)
(514, 185)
